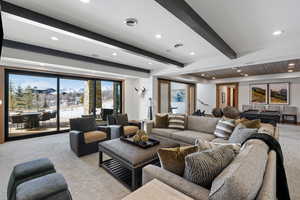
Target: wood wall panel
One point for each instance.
(2, 135)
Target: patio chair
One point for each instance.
(18, 120)
(45, 116)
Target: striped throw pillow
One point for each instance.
(177, 121)
(225, 128)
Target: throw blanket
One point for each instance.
(282, 190)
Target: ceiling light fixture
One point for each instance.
(202, 75)
(291, 64)
(114, 54)
(213, 78)
(150, 63)
(85, 1)
(246, 75)
(277, 33)
(158, 36)
(131, 21)
(239, 71)
(42, 64)
(192, 53)
(54, 38)
(290, 70)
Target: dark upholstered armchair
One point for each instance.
(121, 126)
(85, 135)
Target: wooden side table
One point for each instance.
(156, 190)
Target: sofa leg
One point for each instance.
(100, 158)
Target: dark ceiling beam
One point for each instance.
(63, 54)
(43, 19)
(187, 15)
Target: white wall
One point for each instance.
(206, 92)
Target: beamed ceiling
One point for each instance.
(252, 70)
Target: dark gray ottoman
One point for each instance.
(27, 171)
(128, 160)
(50, 187)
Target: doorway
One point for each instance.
(227, 95)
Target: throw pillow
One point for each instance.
(161, 120)
(204, 145)
(224, 128)
(172, 159)
(202, 167)
(252, 123)
(241, 133)
(177, 121)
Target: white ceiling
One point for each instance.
(246, 26)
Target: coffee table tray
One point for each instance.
(145, 145)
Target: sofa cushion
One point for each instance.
(202, 167)
(165, 132)
(242, 179)
(204, 145)
(219, 140)
(177, 121)
(202, 124)
(241, 133)
(225, 128)
(172, 159)
(130, 130)
(190, 137)
(94, 136)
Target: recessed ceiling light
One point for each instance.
(131, 21)
(278, 32)
(54, 38)
(239, 71)
(42, 64)
(192, 53)
(246, 75)
(114, 54)
(150, 63)
(213, 78)
(290, 70)
(291, 64)
(85, 1)
(158, 36)
(202, 75)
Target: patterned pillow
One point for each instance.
(172, 159)
(161, 121)
(241, 133)
(202, 167)
(224, 128)
(177, 121)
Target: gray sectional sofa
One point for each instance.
(251, 175)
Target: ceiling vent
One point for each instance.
(131, 21)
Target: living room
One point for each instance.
(151, 99)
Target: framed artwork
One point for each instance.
(258, 94)
(279, 93)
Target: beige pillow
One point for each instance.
(204, 145)
(172, 159)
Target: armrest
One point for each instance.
(116, 131)
(105, 129)
(43, 188)
(76, 137)
(149, 125)
(135, 123)
(197, 192)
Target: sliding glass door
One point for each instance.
(40, 103)
(32, 104)
(76, 98)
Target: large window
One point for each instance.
(42, 103)
(32, 104)
(76, 100)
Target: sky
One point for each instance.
(48, 82)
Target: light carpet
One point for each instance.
(87, 181)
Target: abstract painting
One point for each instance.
(279, 93)
(258, 93)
